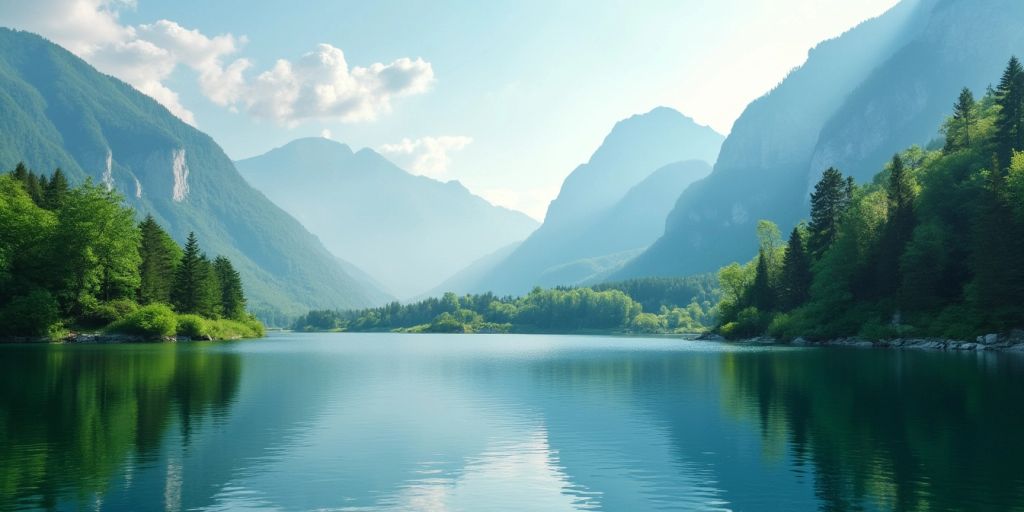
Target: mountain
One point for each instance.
(880, 87)
(610, 208)
(408, 232)
(60, 112)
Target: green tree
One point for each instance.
(159, 258)
(232, 298)
(958, 130)
(762, 293)
(795, 283)
(55, 190)
(1010, 119)
(829, 201)
(898, 230)
(195, 283)
(97, 247)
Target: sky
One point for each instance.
(507, 97)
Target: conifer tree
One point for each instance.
(762, 294)
(189, 278)
(829, 201)
(160, 255)
(1010, 121)
(232, 298)
(796, 273)
(958, 134)
(899, 227)
(55, 190)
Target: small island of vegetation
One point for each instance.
(649, 305)
(74, 259)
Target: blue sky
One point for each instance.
(505, 96)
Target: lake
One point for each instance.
(507, 422)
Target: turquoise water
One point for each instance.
(506, 422)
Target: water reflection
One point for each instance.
(386, 422)
(75, 419)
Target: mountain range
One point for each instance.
(408, 232)
(58, 111)
(608, 209)
(859, 98)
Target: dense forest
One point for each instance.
(932, 246)
(75, 258)
(677, 305)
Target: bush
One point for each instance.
(30, 315)
(106, 313)
(445, 322)
(193, 326)
(749, 322)
(153, 320)
(226, 329)
(648, 323)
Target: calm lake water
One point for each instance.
(505, 422)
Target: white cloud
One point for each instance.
(325, 133)
(426, 156)
(319, 85)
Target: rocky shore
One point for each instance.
(98, 339)
(1012, 342)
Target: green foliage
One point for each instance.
(193, 326)
(30, 315)
(151, 320)
(607, 308)
(99, 314)
(933, 246)
(159, 257)
(77, 254)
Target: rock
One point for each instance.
(710, 336)
(989, 339)
(799, 340)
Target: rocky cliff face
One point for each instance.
(877, 89)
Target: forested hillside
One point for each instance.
(58, 111)
(932, 246)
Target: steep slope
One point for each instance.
(408, 232)
(882, 86)
(612, 206)
(60, 112)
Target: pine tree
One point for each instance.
(55, 190)
(232, 298)
(898, 230)
(795, 286)
(762, 294)
(208, 291)
(160, 255)
(830, 199)
(1010, 121)
(963, 119)
(188, 278)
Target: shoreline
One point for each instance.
(95, 338)
(1013, 342)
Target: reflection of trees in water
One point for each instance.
(890, 430)
(71, 416)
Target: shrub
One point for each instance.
(30, 315)
(193, 326)
(152, 320)
(106, 313)
(226, 329)
(648, 323)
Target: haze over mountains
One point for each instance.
(647, 203)
(408, 232)
(858, 99)
(60, 112)
(609, 208)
